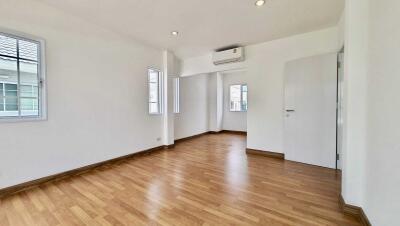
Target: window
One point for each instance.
(154, 91)
(20, 77)
(238, 98)
(176, 95)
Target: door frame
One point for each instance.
(338, 104)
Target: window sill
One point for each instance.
(23, 119)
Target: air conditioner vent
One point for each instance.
(228, 56)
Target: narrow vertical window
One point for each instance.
(176, 95)
(238, 98)
(21, 77)
(154, 91)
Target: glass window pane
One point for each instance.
(235, 93)
(235, 106)
(29, 88)
(26, 91)
(28, 50)
(153, 76)
(153, 92)
(1, 90)
(29, 107)
(244, 101)
(8, 70)
(8, 46)
(11, 104)
(29, 91)
(1, 105)
(235, 97)
(244, 98)
(8, 107)
(153, 108)
(244, 106)
(11, 90)
(29, 73)
(27, 104)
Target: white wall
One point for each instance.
(371, 171)
(236, 121)
(193, 116)
(97, 97)
(382, 196)
(341, 29)
(265, 65)
(355, 105)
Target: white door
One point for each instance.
(310, 110)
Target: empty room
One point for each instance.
(172, 112)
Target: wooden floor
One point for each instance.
(204, 181)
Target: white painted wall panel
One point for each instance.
(97, 97)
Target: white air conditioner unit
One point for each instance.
(228, 56)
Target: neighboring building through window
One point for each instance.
(20, 77)
(176, 95)
(238, 98)
(154, 91)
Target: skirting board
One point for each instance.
(234, 132)
(210, 132)
(265, 153)
(354, 211)
(229, 131)
(34, 183)
(191, 137)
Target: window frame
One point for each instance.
(42, 87)
(160, 91)
(241, 97)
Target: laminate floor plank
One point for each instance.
(208, 180)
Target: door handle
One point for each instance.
(290, 110)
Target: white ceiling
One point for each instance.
(205, 25)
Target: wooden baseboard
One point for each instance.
(34, 183)
(211, 132)
(228, 131)
(234, 132)
(354, 211)
(191, 137)
(265, 153)
(169, 146)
